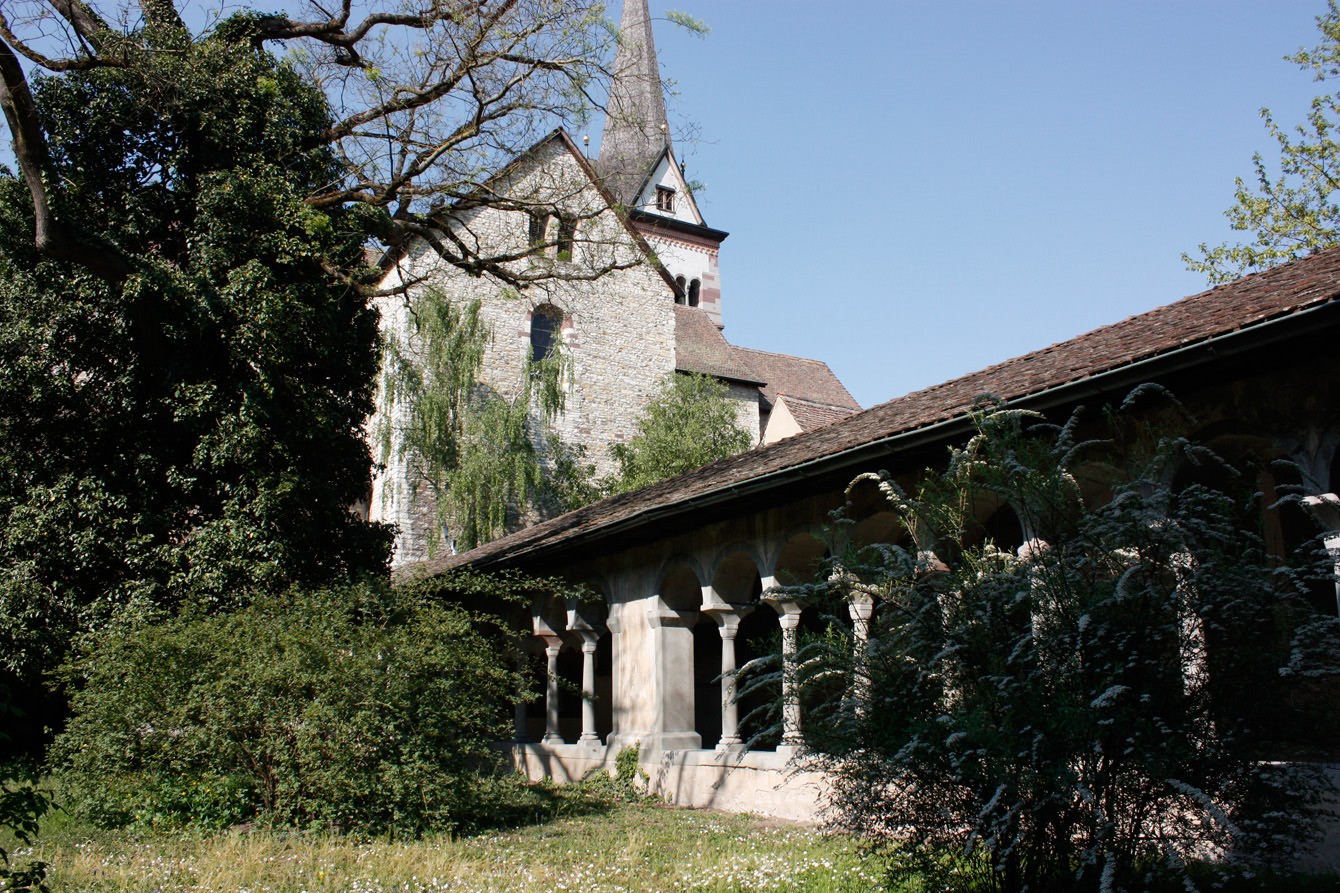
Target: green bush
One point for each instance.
(352, 709)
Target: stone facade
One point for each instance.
(617, 331)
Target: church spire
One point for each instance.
(636, 128)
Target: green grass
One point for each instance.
(632, 847)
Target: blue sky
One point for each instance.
(916, 190)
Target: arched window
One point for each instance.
(545, 323)
(694, 287)
(680, 291)
(567, 234)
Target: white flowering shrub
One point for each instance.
(1093, 710)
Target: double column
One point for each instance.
(587, 637)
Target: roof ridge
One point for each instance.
(775, 353)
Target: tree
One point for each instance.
(187, 350)
(489, 460)
(1296, 212)
(190, 431)
(428, 101)
(689, 422)
(1092, 711)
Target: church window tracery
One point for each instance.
(694, 288)
(681, 291)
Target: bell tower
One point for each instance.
(638, 164)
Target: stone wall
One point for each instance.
(617, 331)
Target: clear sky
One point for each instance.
(916, 190)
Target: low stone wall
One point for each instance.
(758, 782)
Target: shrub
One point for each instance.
(1090, 712)
(360, 708)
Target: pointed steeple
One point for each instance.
(636, 128)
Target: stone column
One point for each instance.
(788, 617)
(1326, 509)
(728, 624)
(861, 607)
(589, 735)
(552, 645)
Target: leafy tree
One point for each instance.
(189, 429)
(1296, 212)
(186, 347)
(1092, 711)
(689, 422)
(488, 459)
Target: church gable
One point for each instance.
(666, 193)
(574, 275)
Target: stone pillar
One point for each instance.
(788, 617)
(1326, 509)
(728, 624)
(552, 646)
(861, 607)
(672, 643)
(589, 735)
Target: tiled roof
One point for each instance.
(810, 415)
(700, 347)
(1243, 305)
(809, 380)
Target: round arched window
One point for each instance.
(545, 324)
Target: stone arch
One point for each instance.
(872, 519)
(800, 557)
(736, 576)
(680, 588)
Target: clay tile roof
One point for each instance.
(1247, 304)
(810, 415)
(808, 380)
(700, 347)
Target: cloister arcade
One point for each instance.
(654, 661)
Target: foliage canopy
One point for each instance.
(689, 421)
(190, 431)
(1296, 212)
(359, 708)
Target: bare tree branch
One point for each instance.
(30, 152)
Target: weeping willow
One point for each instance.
(489, 459)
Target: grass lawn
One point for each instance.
(632, 847)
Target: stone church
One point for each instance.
(616, 264)
(687, 570)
